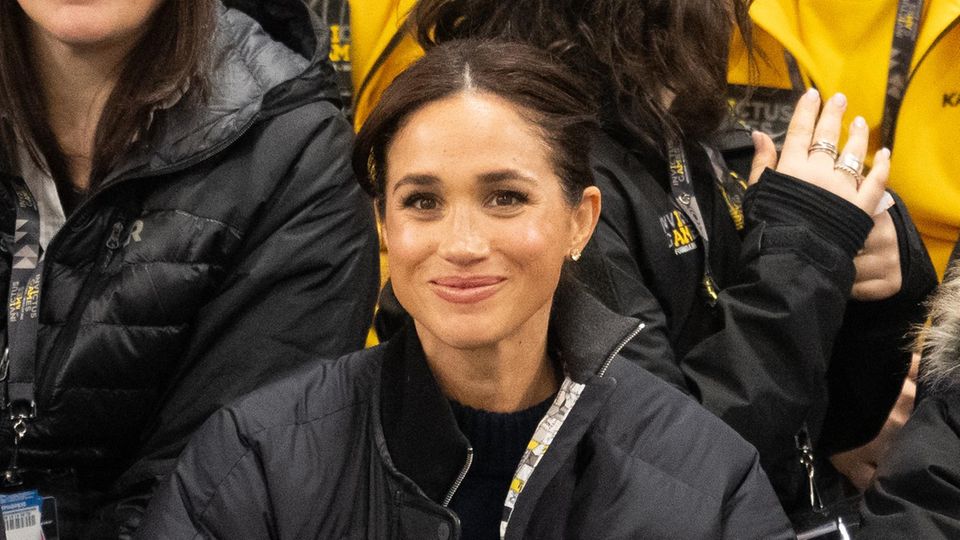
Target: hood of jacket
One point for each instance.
(940, 365)
(266, 58)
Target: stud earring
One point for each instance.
(575, 255)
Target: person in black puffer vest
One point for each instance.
(198, 228)
(504, 408)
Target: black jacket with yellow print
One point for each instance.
(783, 347)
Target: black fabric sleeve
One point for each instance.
(873, 349)
(763, 371)
(303, 287)
(747, 511)
(216, 491)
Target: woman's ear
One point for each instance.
(585, 218)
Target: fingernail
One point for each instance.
(886, 201)
(885, 153)
(859, 122)
(812, 94)
(840, 100)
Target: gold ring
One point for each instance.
(824, 146)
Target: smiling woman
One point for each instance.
(477, 228)
(503, 408)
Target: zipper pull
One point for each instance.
(4, 373)
(5, 364)
(114, 241)
(807, 460)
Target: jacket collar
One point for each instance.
(267, 58)
(423, 440)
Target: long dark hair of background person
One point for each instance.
(669, 47)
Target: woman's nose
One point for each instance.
(464, 241)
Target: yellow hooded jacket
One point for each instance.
(844, 46)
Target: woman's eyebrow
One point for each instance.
(416, 180)
(504, 175)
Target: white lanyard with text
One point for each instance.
(681, 188)
(905, 33)
(23, 311)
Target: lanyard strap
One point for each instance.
(23, 325)
(905, 34)
(906, 30)
(681, 188)
(23, 307)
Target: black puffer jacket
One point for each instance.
(234, 245)
(916, 493)
(368, 448)
(783, 342)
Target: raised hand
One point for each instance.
(810, 153)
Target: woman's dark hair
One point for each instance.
(170, 58)
(632, 52)
(546, 93)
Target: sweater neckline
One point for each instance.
(498, 439)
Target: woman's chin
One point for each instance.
(462, 332)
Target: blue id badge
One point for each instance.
(29, 516)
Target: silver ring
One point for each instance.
(826, 147)
(843, 167)
(850, 161)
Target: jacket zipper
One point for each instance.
(460, 477)
(62, 346)
(114, 241)
(619, 348)
(90, 284)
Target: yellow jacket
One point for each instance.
(926, 166)
(377, 27)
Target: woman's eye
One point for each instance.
(508, 198)
(421, 201)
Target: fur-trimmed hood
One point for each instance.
(940, 365)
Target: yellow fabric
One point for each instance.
(844, 46)
(373, 23)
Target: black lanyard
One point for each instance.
(681, 188)
(23, 323)
(905, 33)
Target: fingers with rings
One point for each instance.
(851, 159)
(827, 133)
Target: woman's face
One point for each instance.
(476, 223)
(89, 23)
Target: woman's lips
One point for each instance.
(466, 289)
